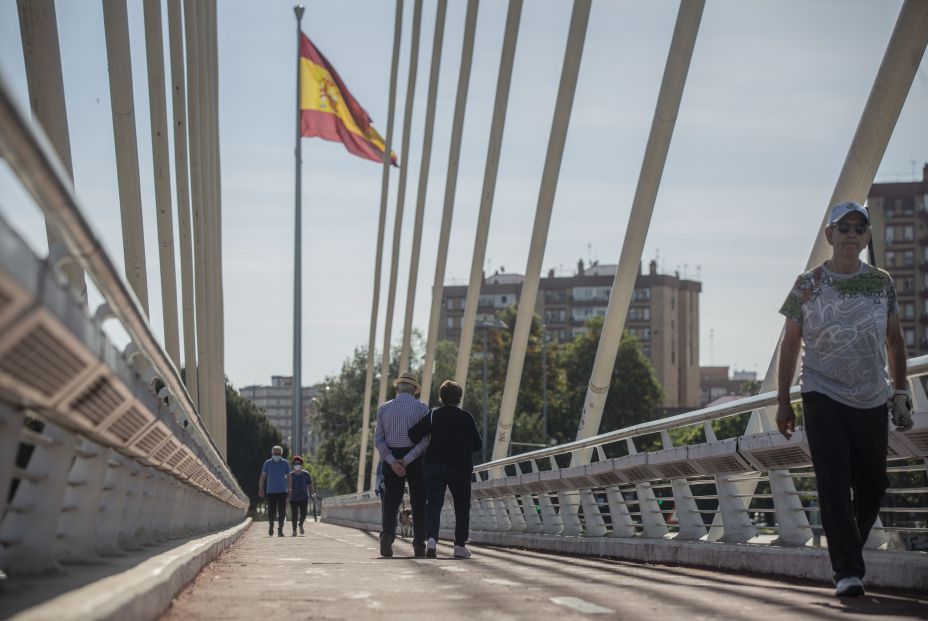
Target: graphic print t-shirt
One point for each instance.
(843, 319)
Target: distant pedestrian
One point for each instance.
(453, 437)
(401, 462)
(844, 314)
(301, 489)
(274, 483)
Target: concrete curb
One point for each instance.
(890, 569)
(143, 592)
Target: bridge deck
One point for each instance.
(336, 573)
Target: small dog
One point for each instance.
(405, 521)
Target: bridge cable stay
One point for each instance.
(666, 111)
(424, 165)
(494, 148)
(652, 168)
(154, 54)
(217, 317)
(564, 103)
(398, 216)
(451, 179)
(182, 192)
(378, 255)
(215, 416)
(197, 205)
(119, 64)
(38, 27)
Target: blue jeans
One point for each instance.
(437, 478)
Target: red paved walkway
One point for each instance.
(336, 573)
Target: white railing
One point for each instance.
(100, 450)
(755, 488)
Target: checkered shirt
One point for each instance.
(394, 418)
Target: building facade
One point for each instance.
(899, 214)
(663, 315)
(277, 402)
(717, 382)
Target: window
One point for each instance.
(907, 311)
(485, 300)
(642, 294)
(908, 258)
(890, 258)
(908, 232)
(890, 234)
(450, 323)
(907, 286)
(909, 337)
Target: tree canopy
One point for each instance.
(634, 393)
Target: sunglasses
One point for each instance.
(846, 227)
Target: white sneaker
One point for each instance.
(849, 587)
(431, 548)
(462, 552)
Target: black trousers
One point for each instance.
(298, 507)
(848, 447)
(393, 487)
(437, 478)
(277, 509)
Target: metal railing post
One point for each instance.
(29, 528)
(81, 504)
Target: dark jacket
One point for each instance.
(454, 437)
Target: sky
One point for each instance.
(773, 97)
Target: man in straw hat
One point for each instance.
(401, 462)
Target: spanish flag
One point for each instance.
(327, 109)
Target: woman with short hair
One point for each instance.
(448, 464)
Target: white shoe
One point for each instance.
(431, 548)
(849, 587)
(462, 552)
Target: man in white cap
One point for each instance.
(845, 316)
(401, 462)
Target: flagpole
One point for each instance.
(297, 418)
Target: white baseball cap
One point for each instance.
(839, 211)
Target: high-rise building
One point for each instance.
(663, 315)
(277, 402)
(899, 215)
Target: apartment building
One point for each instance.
(899, 214)
(277, 402)
(663, 315)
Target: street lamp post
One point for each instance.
(544, 382)
(485, 326)
(485, 394)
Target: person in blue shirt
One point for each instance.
(274, 483)
(301, 488)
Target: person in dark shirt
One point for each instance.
(448, 464)
(300, 491)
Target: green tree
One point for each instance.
(446, 359)
(341, 409)
(634, 393)
(250, 437)
(326, 480)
